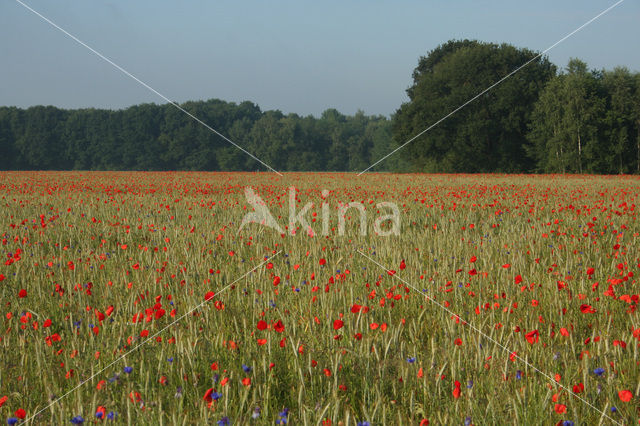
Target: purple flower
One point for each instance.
(128, 370)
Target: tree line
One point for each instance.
(540, 119)
(160, 137)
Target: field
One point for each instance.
(137, 298)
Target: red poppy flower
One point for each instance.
(532, 336)
(262, 324)
(279, 326)
(338, 324)
(276, 281)
(22, 293)
(20, 413)
(518, 279)
(560, 408)
(402, 265)
(246, 381)
(625, 395)
(587, 309)
(209, 295)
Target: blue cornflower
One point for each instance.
(598, 371)
(469, 384)
(283, 417)
(467, 421)
(223, 421)
(112, 415)
(170, 359)
(77, 420)
(614, 409)
(246, 368)
(128, 370)
(12, 420)
(216, 396)
(567, 423)
(411, 360)
(518, 374)
(365, 423)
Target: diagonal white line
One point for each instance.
(493, 85)
(128, 74)
(485, 335)
(149, 338)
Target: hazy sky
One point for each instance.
(296, 56)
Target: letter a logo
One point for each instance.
(261, 215)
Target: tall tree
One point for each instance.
(489, 134)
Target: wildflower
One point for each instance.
(567, 423)
(77, 420)
(560, 408)
(20, 413)
(246, 368)
(223, 421)
(128, 370)
(532, 336)
(282, 417)
(12, 420)
(338, 324)
(256, 413)
(411, 360)
(112, 415)
(100, 412)
(625, 395)
(364, 423)
(598, 371)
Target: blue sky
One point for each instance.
(296, 56)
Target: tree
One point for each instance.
(619, 120)
(487, 135)
(567, 123)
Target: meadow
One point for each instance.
(135, 298)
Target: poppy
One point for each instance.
(625, 395)
(338, 324)
(560, 408)
(532, 336)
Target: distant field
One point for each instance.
(505, 299)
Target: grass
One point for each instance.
(144, 243)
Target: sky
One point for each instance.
(296, 56)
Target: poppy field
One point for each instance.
(138, 298)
